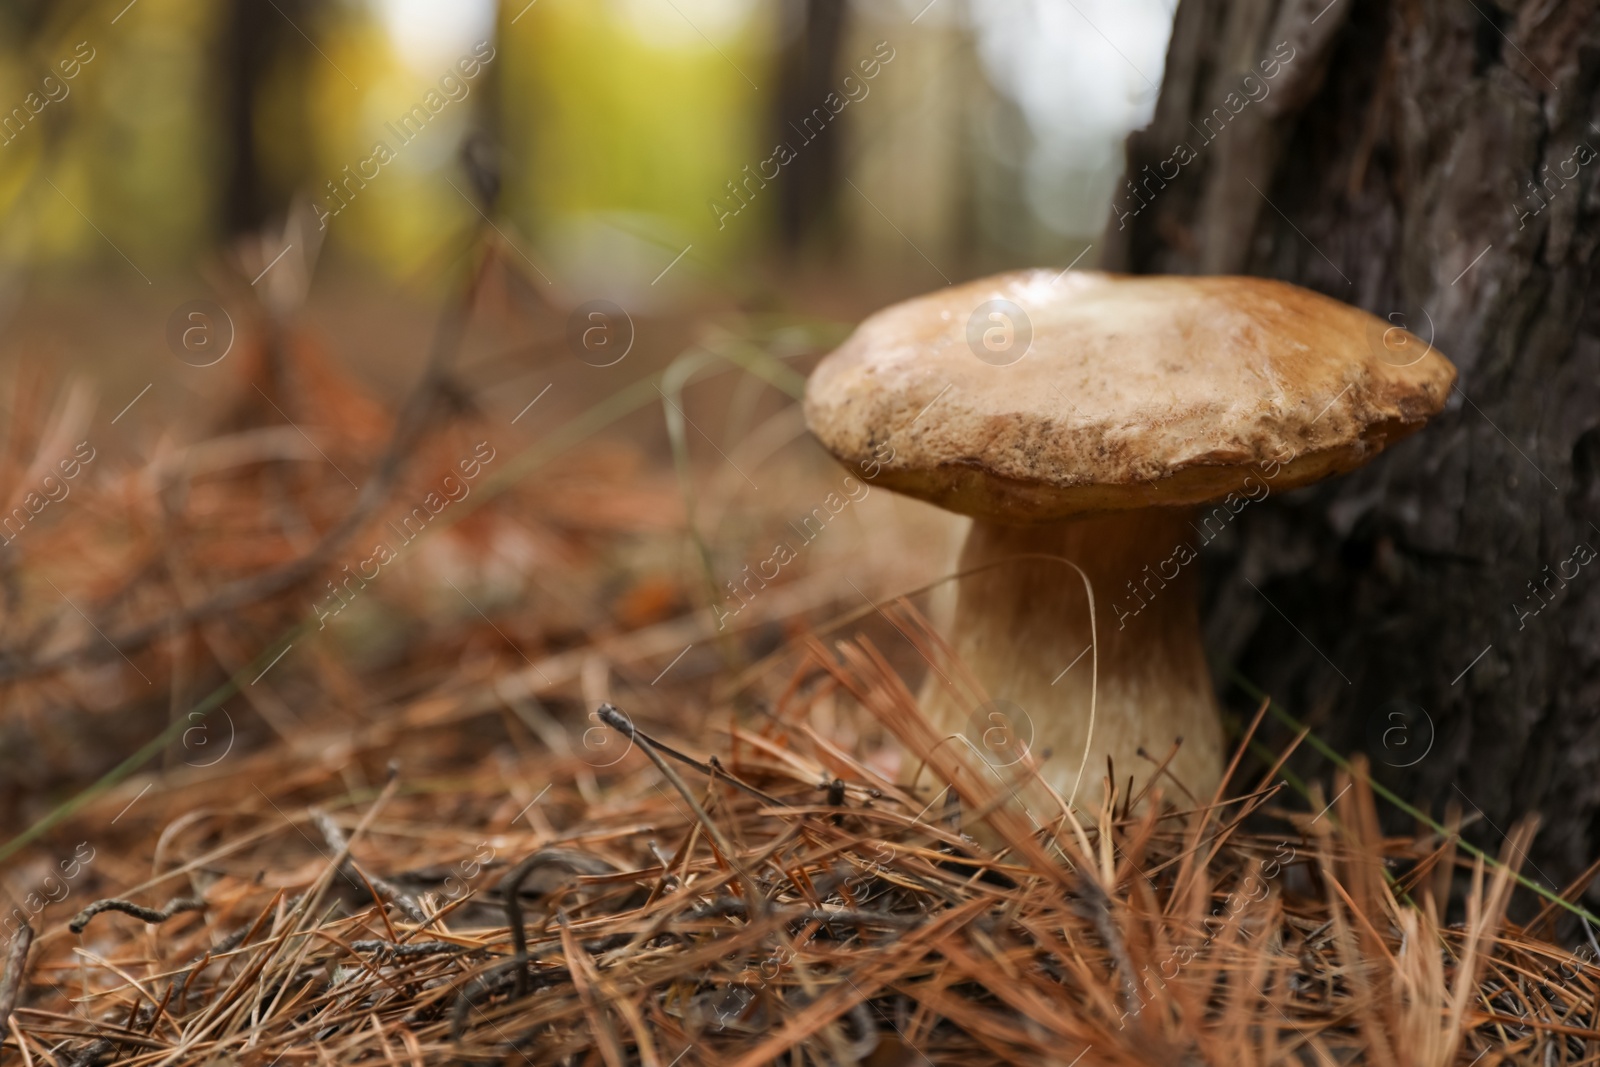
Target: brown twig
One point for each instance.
(153, 916)
(16, 969)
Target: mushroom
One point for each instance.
(1119, 423)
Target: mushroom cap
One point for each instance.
(1110, 392)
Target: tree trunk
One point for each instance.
(260, 39)
(1432, 163)
(806, 75)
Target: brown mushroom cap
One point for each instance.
(1135, 391)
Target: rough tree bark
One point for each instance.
(1435, 163)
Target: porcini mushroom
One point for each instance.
(1118, 422)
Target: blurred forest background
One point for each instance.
(991, 138)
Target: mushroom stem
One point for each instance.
(1022, 629)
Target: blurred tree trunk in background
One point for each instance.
(1391, 163)
(807, 73)
(24, 20)
(261, 45)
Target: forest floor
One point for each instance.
(455, 729)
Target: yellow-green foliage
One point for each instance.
(625, 109)
(404, 216)
(127, 144)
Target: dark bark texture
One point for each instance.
(1434, 163)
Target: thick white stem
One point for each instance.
(1023, 630)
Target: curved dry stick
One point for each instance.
(572, 861)
(152, 916)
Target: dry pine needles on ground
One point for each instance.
(782, 902)
(772, 896)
